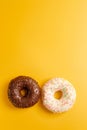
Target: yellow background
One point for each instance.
(43, 39)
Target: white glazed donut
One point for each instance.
(65, 102)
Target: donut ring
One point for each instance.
(65, 102)
(31, 88)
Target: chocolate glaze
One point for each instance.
(28, 84)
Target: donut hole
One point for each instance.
(58, 94)
(24, 91)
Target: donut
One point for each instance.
(23, 91)
(66, 100)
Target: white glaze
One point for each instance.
(65, 102)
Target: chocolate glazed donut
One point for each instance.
(23, 91)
